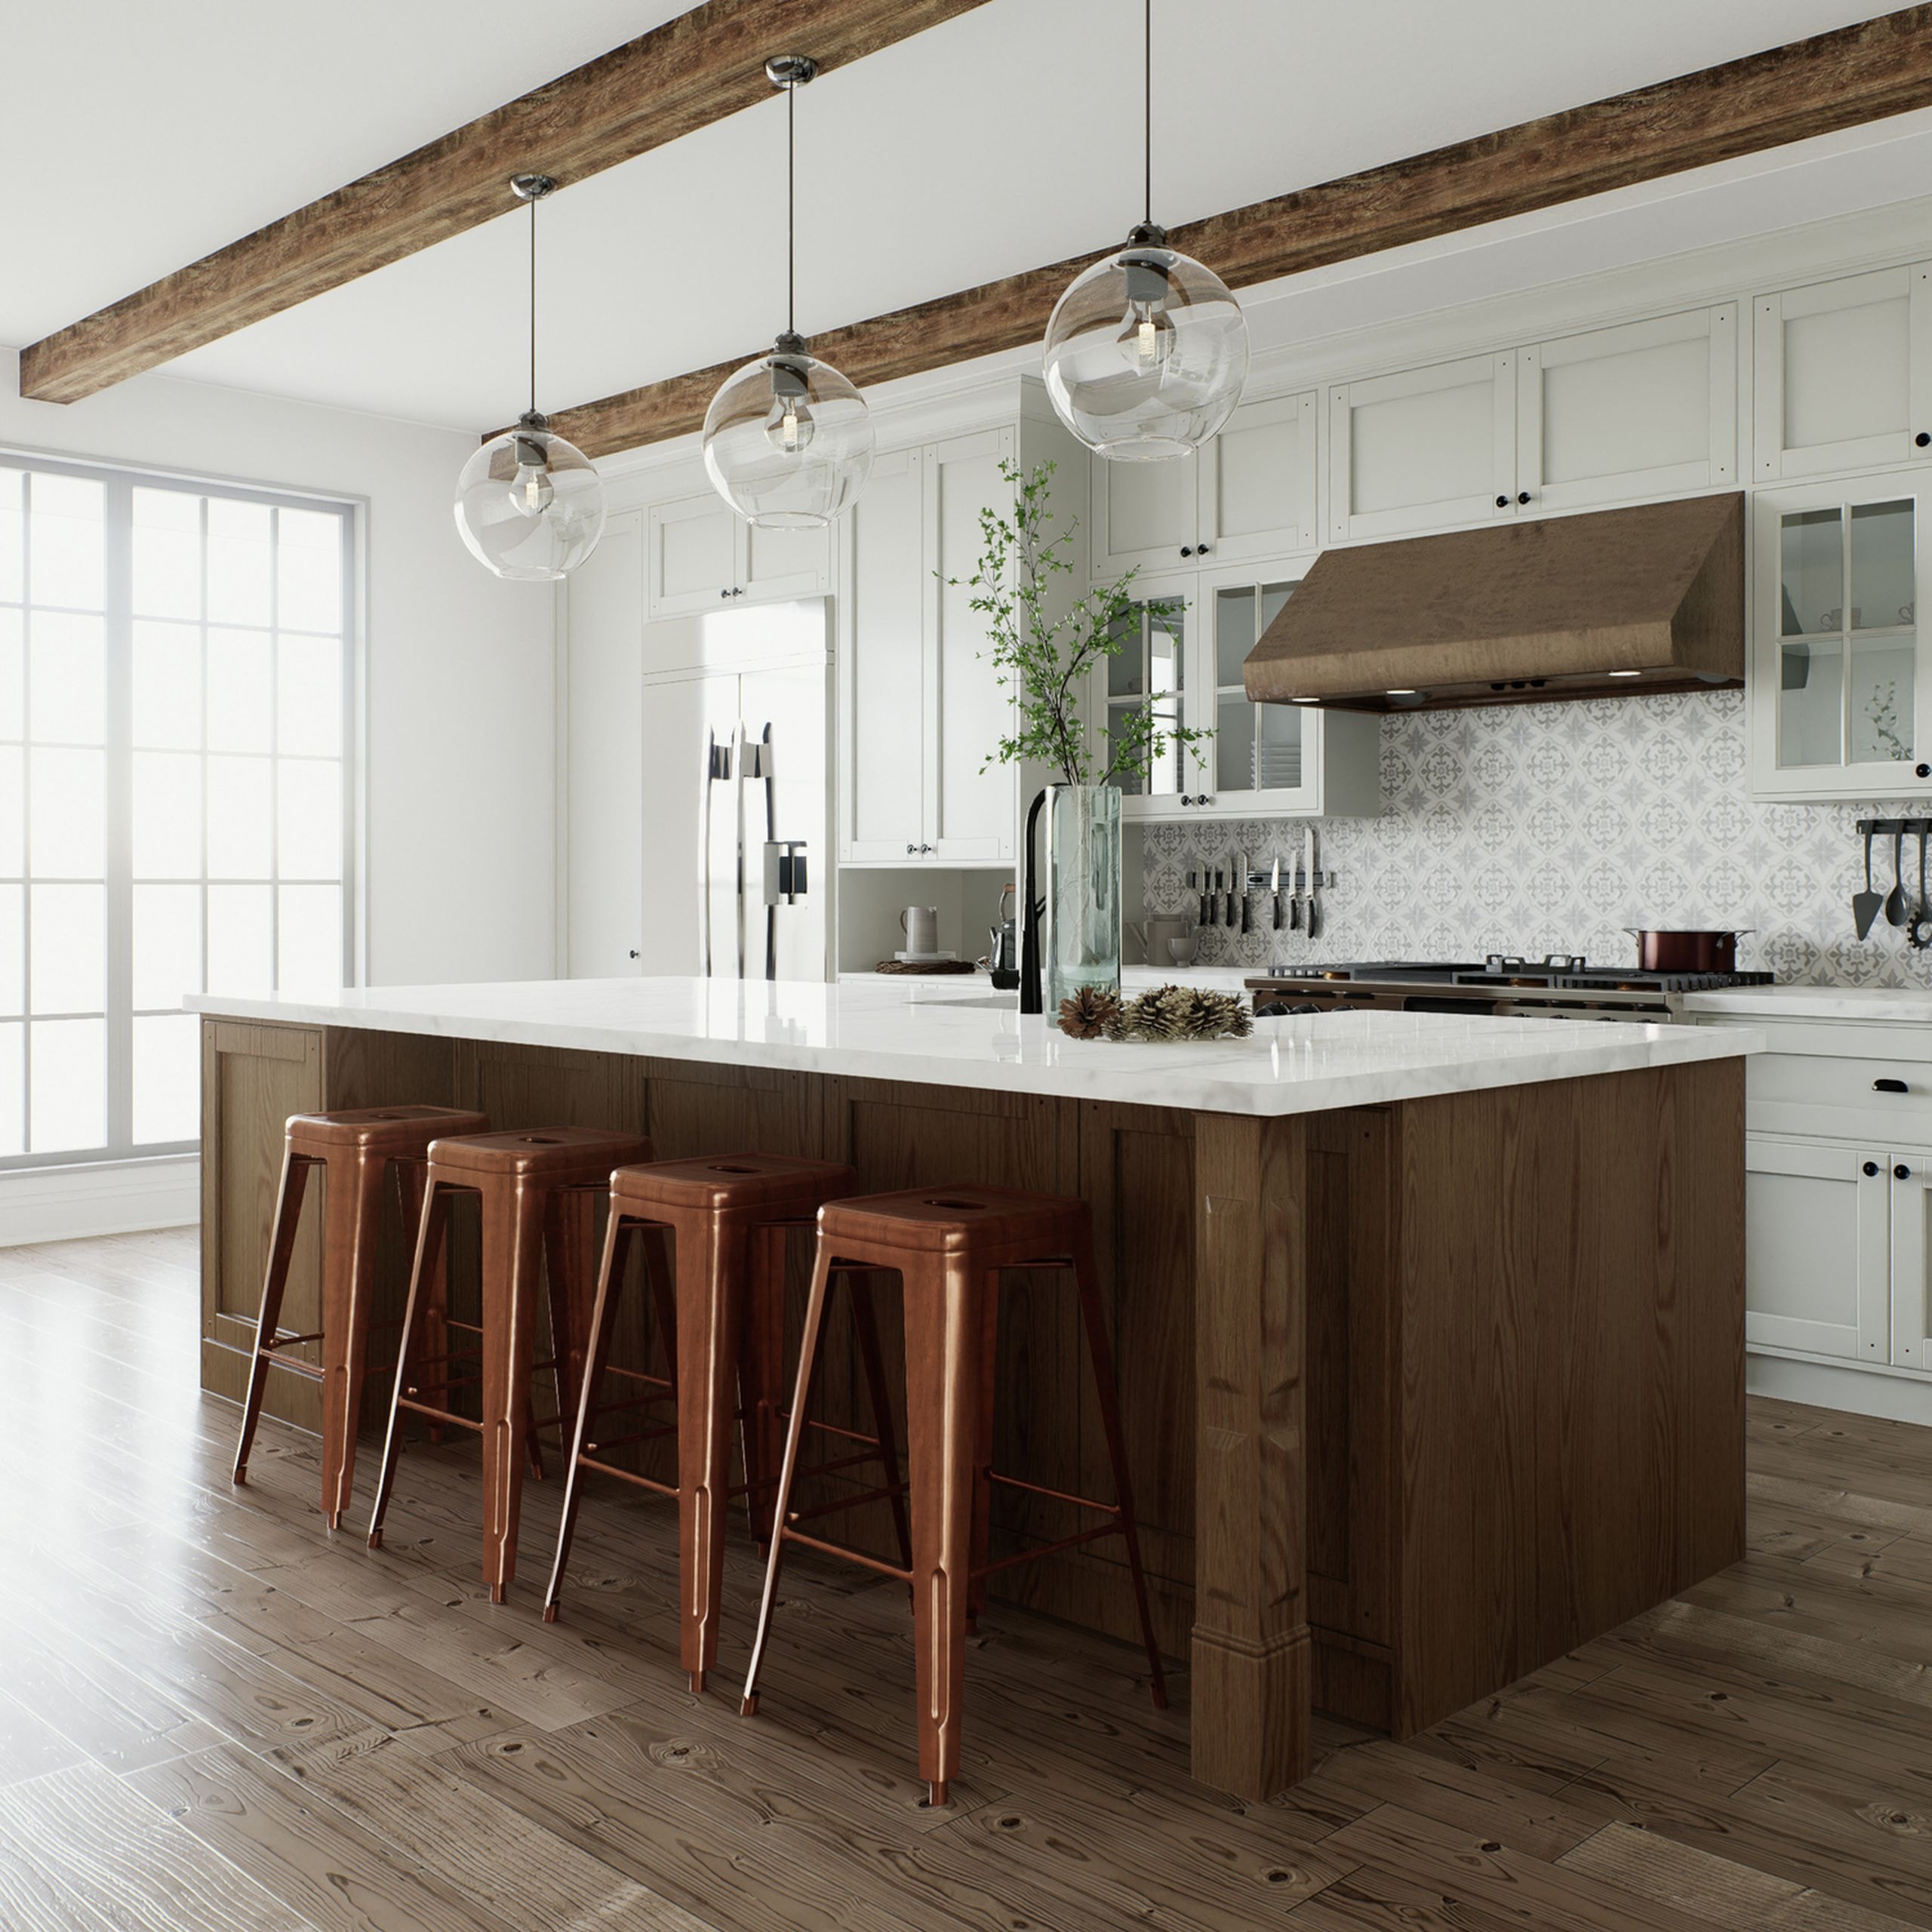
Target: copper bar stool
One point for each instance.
(949, 1246)
(358, 1149)
(729, 1216)
(538, 1192)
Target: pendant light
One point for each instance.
(788, 440)
(528, 504)
(1147, 351)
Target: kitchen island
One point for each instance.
(1429, 1331)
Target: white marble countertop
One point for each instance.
(958, 1032)
(1887, 1004)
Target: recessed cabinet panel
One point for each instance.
(693, 553)
(786, 563)
(1844, 373)
(1817, 1230)
(1911, 1261)
(882, 670)
(1646, 409)
(1144, 513)
(971, 803)
(1423, 450)
(1258, 483)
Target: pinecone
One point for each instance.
(1182, 1012)
(1091, 1013)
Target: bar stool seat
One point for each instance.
(949, 1245)
(359, 1149)
(728, 1217)
(538, 1190)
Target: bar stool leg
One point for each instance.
(603, 1320)
(1094, 1317)
(781, 1501)
(569, 1247)
(714, 1265)
(865, 1319)
(761, 1388)
(352, 1226)
(512, 1257)
(423, 1269)
(436, 1295)
(275, 1283)
(944, 1342)
(987, 1352)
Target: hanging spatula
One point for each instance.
(1865, 905)
(1895, 899)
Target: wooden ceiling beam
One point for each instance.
(706, 64)
(1834, 81)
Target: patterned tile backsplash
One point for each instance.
(1549, 828)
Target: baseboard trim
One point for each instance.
(99, 1198)
(1839, 1386)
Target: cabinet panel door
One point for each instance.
(1423, 450)
(785, 563)
(1647, 409)
(881, 665)
(1816, 1233)
(1147, 515)
(1160, 664)
(693, 560)
(1843, 372)
(1257, 482)
(1911, 1261)
(971, 805)
(603, 766)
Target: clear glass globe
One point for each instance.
(1146, 352)
(529, 506)
(788, 440)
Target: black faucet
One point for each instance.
(1031, 999)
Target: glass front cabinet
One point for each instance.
(1840, 706)
(1189, 636)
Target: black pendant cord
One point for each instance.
(1147, 105)
(791, 210)
(533, 305)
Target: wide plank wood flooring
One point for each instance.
(214, 1718)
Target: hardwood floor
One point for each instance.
(214, 1718)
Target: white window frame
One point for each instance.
(120, 481)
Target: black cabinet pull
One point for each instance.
(1921, 771)
(1888, 1086)
(1870, 1168)
(1502, 503)
(1923, 437)
(1901, 1172)
(1522, 496)
(634, 952)
(1187, 549)
(1200, 550)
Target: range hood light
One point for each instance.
(1626, 673)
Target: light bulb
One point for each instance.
(790, 427)
(1147, 334)
(531, 491)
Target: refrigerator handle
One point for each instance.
(758, 765)
(717, 765)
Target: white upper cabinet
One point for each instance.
(1423, 449)
(702, 554)
(1844, 373)
(1249, 493)
(1840, 707)
(1643, 410)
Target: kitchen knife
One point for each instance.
(1197, 882)
(1237, 892)
(1274, 886)
(1245, 881)
(1308, 859)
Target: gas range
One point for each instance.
(1560, 985)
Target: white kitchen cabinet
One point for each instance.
(1910, 1186)
(1843, 373)
(1249, 493)
(1422, 449)
(1193, 636)
(1643, 410)
(601, 774)
(703, 556)
(1840, 705)
(1816, 1232)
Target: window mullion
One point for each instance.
(119, 645)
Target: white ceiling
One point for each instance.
(1004, 138)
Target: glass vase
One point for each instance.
(1082, 940)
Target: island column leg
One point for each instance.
(1251, 1709)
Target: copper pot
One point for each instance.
(1708, 951)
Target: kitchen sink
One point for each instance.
(993, 1002)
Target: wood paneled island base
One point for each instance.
(1418, 1395)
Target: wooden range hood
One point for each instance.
(1607, 605)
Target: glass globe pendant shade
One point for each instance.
(529, 506)
(1145, 352)
(788, 440)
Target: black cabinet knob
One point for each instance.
(1522, 496)
(1921, 771)
(1502, 503)
(1202, 550)
(1901, 1172)
(1923, 438)
(1890, 1087)
(1870, 1168)
(634, 952)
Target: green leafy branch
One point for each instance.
(1048, 663)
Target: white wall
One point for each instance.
(460, 783)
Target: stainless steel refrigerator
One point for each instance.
(737, 875)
